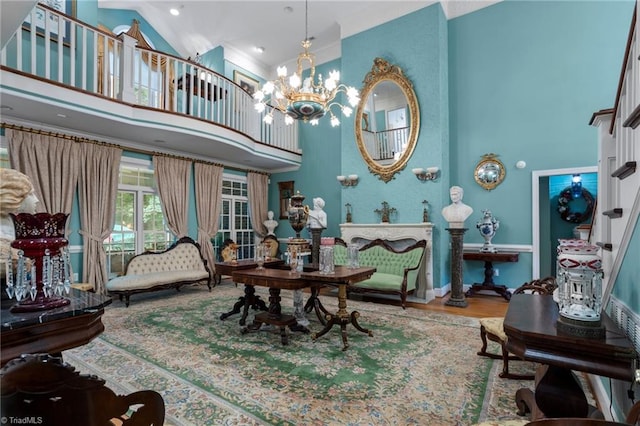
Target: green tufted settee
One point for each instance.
(396, 270)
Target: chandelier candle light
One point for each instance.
(307, 100)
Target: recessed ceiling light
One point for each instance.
(174, 11)
(61, 115)
(159, 141)
(258, 49)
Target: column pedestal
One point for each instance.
(457, 291)
(315, 247)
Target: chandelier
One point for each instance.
(309, 99)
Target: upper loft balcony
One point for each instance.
(73, 78)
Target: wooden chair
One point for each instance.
(44, 388)
(273, 246)
(226, 251)
(492, 328)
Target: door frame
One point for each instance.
(536, 196)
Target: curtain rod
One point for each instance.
(97, 142)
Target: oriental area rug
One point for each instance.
(418, 368)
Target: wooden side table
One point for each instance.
(488, 259)
(530, 325)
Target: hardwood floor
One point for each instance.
(480, 306)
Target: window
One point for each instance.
(139, 223)
(234, 222)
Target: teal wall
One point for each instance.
(520, 79)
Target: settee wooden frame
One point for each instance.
(402, 290)
(126, 293)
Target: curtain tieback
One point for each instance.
(204, 232)
(91, 236)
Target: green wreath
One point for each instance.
(564, 209)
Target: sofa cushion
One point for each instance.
(382, 281)
(183, 257)
(152, 279)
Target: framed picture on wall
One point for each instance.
(286, 192)
(247, 83)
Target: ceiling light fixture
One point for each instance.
(174, 11)
(307, 100)
(259, 49)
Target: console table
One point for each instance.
(488, 259)
(530, 325)
(53, 330)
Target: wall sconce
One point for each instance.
(430, 173)
(351, 180)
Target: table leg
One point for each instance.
(488, 284)
(273, 316)
(314, 303)
(245, 302)
(557, 394)
(342, 317)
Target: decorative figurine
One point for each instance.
(488, 226)
(270, 223)
(425, 213)
(349, 218)
(456, 212)
(385, 212)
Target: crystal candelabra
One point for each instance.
(39, 238)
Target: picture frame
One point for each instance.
(248, 84)
(285, 190)
(67, 7)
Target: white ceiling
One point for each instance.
(241, 25)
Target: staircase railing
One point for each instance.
(57, 47)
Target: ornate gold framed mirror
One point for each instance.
(490, 172)
(387, 120)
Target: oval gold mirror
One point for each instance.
(490, 172)
(387, 120)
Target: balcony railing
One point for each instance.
(63, 50)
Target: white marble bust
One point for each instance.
(317, 218)
(270, 223)
(456, 212)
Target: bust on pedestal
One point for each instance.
(270, 223)
(456, 213)
(316, 222)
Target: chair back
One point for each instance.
(273, 246)
(543, 286)
(43, 387)
(226, 252)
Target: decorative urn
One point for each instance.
(580, 290)
(40, 238)
(298, 214)
(488, 226)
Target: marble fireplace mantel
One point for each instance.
(351, 232)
